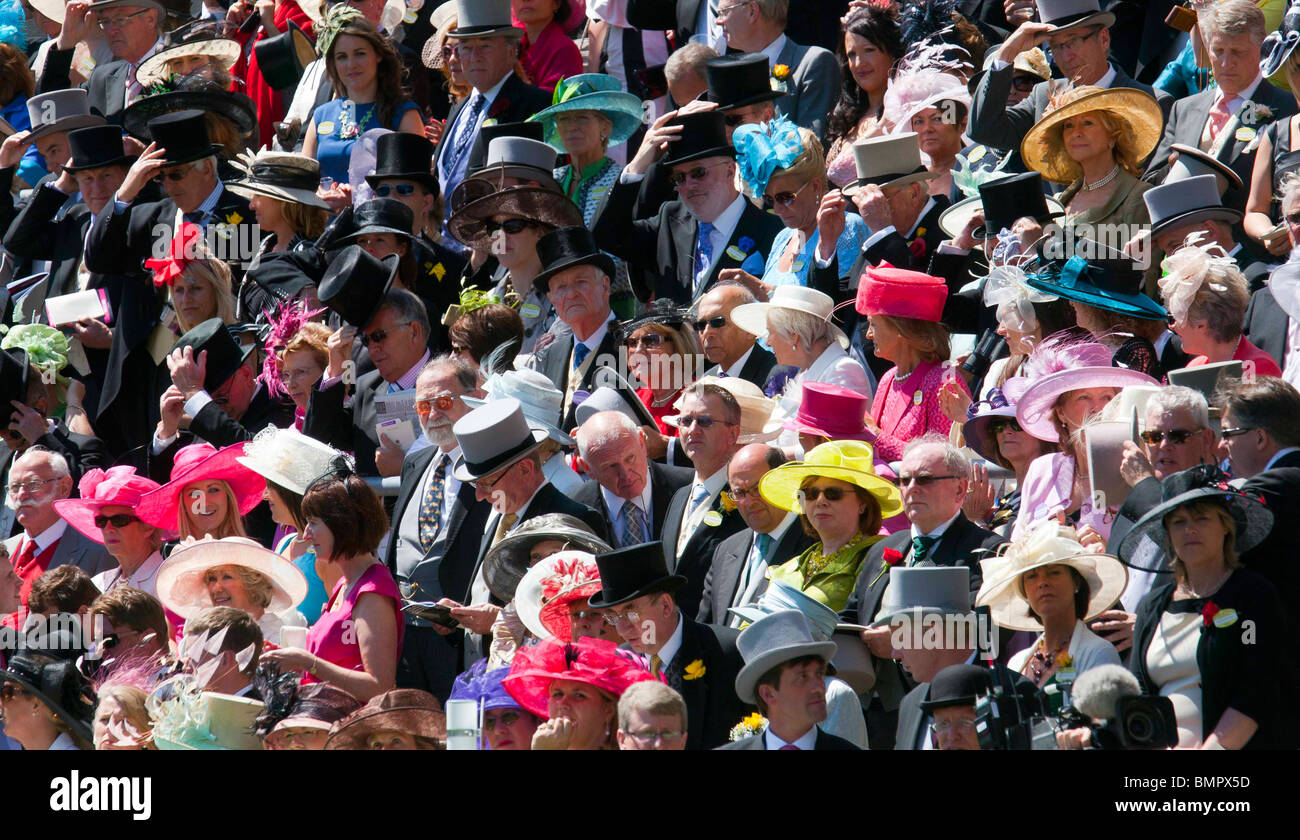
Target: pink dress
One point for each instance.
(334, 636)
(1048, 485)
(1265, 365)
(902, 415)
(552, 58)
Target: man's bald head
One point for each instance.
(744, 472)
(613, 448)
(724, 345)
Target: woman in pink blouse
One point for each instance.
(904, 309)
(549, 55)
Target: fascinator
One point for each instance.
(46, 347)
(1196, 263)
(763, 149)
(186, 246)
(285, 322)
(1007, 289)
(928, 75)
(336, 17)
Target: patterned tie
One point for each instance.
(921, 547)
(1219, 115)
(23, 563)
(703, 253)
(464, 138)
(503, 527)
(656, 664)
(430, 518)
(580, 353)
(633, 525)
(698, 497)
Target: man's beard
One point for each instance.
(440, 435)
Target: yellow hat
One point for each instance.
(845, 460)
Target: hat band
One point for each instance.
(1072, 18)
(491, 464)
(283, 176)
(887, 177)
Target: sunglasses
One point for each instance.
(176, 174)
(503, 720)
(510, 226)
(922, 480)
(696, 173)
(385, 190)
(442, 402)
(117, 520)
(685, 421)
(1177, 437)
(1231, 433)
(1024, 84)
(717, 323)
(733, 120)
(997, 427)
(785, 199)
(9, 691)
(832, 494)
(379, 336)
(647, 341)
(613, 618)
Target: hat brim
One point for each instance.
(1140, 110)
(161, 508)
(1034, 408)
(81, 513)
(505, 565)
(978, 435)
(780, 486)
(180, 579)
(621, 109)
(1224, 214)
(804, 428)
(536, 204)
(752, 318)
(752, 99)
(411, 720)
(124, 160)
(1253, 519)
(425, 179)
(954, 220)
(248, 189)
(237, 108)
(493, 175)
(667, 583)
(462, 33)
(1106, 19)
(755, 668)
(1220, 168)
(71, 123)
(153, 71)
(915, 613)
(716, 151)
(601, 260)
(82, 729)
(368, 230)
(462, 471)
(921, 174)
(1105, 573)
(1137, 306)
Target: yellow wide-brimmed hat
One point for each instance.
(846, 460)
(1138, 110)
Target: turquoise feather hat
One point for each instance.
(592, 92)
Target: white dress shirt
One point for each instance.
(670, 647)
(693, 516)
(723, 227)
(806, 741)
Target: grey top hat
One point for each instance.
(493, 437)
(1073, 14)
(541, 400)
(1184, 202)
(60, 110)
(483, 18)
(939, 590)
(893, 160)
(507, 157)
(1192, 162)
(772, 640)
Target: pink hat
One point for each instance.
(575, 580)
(831, 411)
(595, 662)
(885, 290)
(201, 462)
(1060, 365)
(120, 486)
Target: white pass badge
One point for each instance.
(530, 310)
(713, 519)
(1245, 134)
(1225, 618)
(736, 254)
(325, 128)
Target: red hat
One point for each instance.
(885, 290)
(574, 580)
(119, 486)
(594, 662)
(195, 463)
(831, 411)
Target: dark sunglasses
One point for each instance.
(717, 323)
(685, 421)
(732, 120)
(997, 427)
(1230, 433)
(9, 691)
(378, 336)
(503, 720)
(1177, 437)
(696, 173)
(511, 226)
(1024, 84)
(923, 480)
(648, 340)
(117, 520)
(832, 494)
(385, 190)
(785, 199)
(174, 174)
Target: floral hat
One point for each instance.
(46, 347)
(116, 487)
(594, 662)
(202, 462)
(592, 92)
(543, 596)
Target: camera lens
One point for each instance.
(1139, 727)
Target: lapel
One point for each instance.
(465, 500)
(115, 95)
(876, 583)
(660, 496)
(682, 228)
(673, 524)
(452, 116)
(694, 692)
(741, 237)
(910, 717)
(556, 362)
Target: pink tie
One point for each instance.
(791, 747)
(1219, 115)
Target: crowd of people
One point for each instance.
(649, 374)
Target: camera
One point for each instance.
(989, 347)
(1140, 723)
(1014, 717)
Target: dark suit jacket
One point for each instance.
(911, 718)
(825, 741)
(758, 366)
(553, 361)
(74, 549)
(712, 707)
(515, 102)
(212, 425)
(1274, 558)
(663, 247)
(729, 558)
(697, 554)
(105, 89)
(39, 234)
(347, 427)
(812, 88)
(664, 482)
(1266, 325)
(1187, 121)
(676, 15)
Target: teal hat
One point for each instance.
(1112, 282)
(592, 92)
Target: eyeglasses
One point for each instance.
(175, 174)
(959, 726)
(646, 737)
(378, 336)
(29, 486)
(922, 480)
(785, 199)
(1024, 84)
(997, 427)
(1075, 42)
(734, 120)
(478, 482)
(442, 402)
(511, 226)
(695, 173)
(1231, 433)
(685, 421)
(832, 494)
(722, 13)
(717, 322)
(614, 618)
(741, 495)
(1177, 437)
(385, 190)
(117, 520)
(583, 615)
(118, 22)
(9, 691)
(647, 341)
(505, 720)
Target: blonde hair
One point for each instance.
(1232, 18)
(1229, 538)
(257, 585)
(131, 699)
(208, 269)
(1121, 133)
(929, 338)
(306, 220)
(1221, 302)
(231, 526)
(312, 337)
(811, 162)
(224, 132)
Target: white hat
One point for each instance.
(542, 401)
(180, 578)
(288, 458)
(752, 317)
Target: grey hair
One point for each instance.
(774, 10)
(58, 463)
(1234, 17)
(809, 329)
(408, 307)
(1173, 398)
(954, 460)
(467, 372)
(690, 58)
(602, 429)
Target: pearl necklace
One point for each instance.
(1096, 185)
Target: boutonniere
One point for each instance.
(234, 218)
(741, 249)
(780, 73)
(499, 106)
(1064, 659)
(695, 670)
(1253, 113)
(725, 502)
(891, 557)
(917, 245)
(751, 725)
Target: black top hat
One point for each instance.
(401, 154)
(703, 135)
(282, 58)
(567, 247)
(95, 147)
(189, 93)
(1011, 198)
(225, 354)
(355, 284)
(739, 80)
(631, 572)
(184, 136)
(381, 215)
(957, 685)
(59, 685)
(14, 369)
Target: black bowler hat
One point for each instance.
(282, 58)
(13, 375)
(631, 572)
(567, 247)
(401, 154)
(703, 135)
(184, 136)
(381, 215)
(225, 354)
(1003, 201)
(95, 147)
(739, 80)
(957, 685)
(355, 284)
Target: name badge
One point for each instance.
(976, 153)
(1225, 618)
(736, 254)
(798, 265)
(1245, 134)
(325, 128)
(916, 398)
(530, 310)
(713, 519)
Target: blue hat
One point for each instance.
(1112, 283)
(480, 684)
(592, 92)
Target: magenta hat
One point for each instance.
(201, 462)
(1059, 366)
(119, 486)
(831, 411)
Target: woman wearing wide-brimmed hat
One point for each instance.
(208, 494)
(1070, 380)
(402, 719)
(47, 704)
(106, 513)
(1046, 579)
(840, 501)
(1095, 140)
(506, 724)
(1190, 643)
(298, 717)
(992, 431)
(552, 598)
(281, 190)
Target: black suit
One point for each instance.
(663, 247)
(697, 554)
(1267, 324)
(913, 720)
(347, 427)
(515, 102)
(546, 500)
(758, 366)
(664, 482)
(728, 566)
(825, 741)
(105, 89)
(554, 361)
(712, 707)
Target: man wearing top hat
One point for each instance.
(52, 116)
(699, 661)
(133, 29)
(709, 228)
(806, 79)
(1191, 207)
(489, 46)
(1078, 32)
(135, 230)
(785, 677)
(950, 703)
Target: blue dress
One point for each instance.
(846, 249)
(32, 167)
(316, 594)
(333, 120)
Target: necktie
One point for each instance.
(698, 496)
(633, 525)
(133, 87)
(430, 517)
(197, 217)
(580, 353)
(655, 665)
(764, 542)
(464, 137)
(1219, 115)
(921, 547)
(791, 747)
(703, 253)
(23, 567)
(503, 527)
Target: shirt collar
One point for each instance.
(714, 483)
(674, 643)
(407, 380)
(148, 569)
(1108, 78)
(735, 369)
(520, 512)
(773, 51)
(778, 533)
(806, 741)
(937, 532)
(49, 536)
(157, 45)
(1280, 454)
(1245, 95)
(491, 93)
(593, 341)
(727, 220)
(823, 363)
(614, 504)
(210, 203)
(929, 205)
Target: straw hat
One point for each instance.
(443, 20)
(181, 585)
(752, 317)
(1077, 369)
(406, 710)
(755, 408)
(196, 463)
(1043, 150)
(1046, 544)
(195, 38)
(845, 460)
(288, 458)
(980, 415)
(536, 204)
(282, 175)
